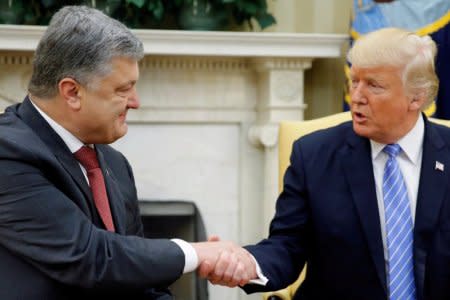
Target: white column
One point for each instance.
(280, 97)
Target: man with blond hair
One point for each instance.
(366, 204)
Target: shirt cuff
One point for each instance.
(261, 280)
(190, 255)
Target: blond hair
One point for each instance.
(400, 48)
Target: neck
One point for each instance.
(404, 130)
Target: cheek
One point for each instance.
(110, 110)
(389, 117)
(384, 107)
(119, 103)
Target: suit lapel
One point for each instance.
(35, 121)
(358, 170)
(72, 167)
(432, 188)
(116, 204)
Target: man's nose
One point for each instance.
(133, 100)
(357, 95)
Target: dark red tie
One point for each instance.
(88, 159)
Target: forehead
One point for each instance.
(376, 72)
(124, 64)
(122, 70)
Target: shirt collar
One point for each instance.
(72, 142)
(411, 143)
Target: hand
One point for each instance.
(225, 263)
(233, 267)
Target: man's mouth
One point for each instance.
(359, 117)
(123, 116)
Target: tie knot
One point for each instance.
(392, 149)
(87, 158)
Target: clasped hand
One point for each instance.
(224, 262)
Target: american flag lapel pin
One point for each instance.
(439, 166)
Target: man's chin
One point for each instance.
(120, 132)
(112, 138)
(360, 130)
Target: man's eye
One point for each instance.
(374, 84)
(125, 90)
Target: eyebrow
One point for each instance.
(369, 77)
(131, 82)
(377, 79)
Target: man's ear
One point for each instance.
(417, 101)
(70, 91)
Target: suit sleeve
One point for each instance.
(136, 227)
(283, 254)
(42, 226)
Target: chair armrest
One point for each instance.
(283, 294)
(288, 292)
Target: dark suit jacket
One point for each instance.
(327, 216)
(52, 245)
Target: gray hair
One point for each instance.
(400, 48)
(80, 43)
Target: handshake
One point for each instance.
(224, 262)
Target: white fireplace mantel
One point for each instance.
(207, 127)
(205, 43)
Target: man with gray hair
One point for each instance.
(366, 204)
(70, 226)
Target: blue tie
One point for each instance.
(399, 229)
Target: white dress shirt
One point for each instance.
(409, 160)
(73, 143)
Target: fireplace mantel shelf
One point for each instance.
(203, 43)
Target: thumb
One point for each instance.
(213, 238)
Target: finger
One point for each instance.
(205, 269)
(230, 269)
(249, 263)
(239, 275)
(246, 268)
(244, 277)
(220, 267)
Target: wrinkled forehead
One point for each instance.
(376, 71)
